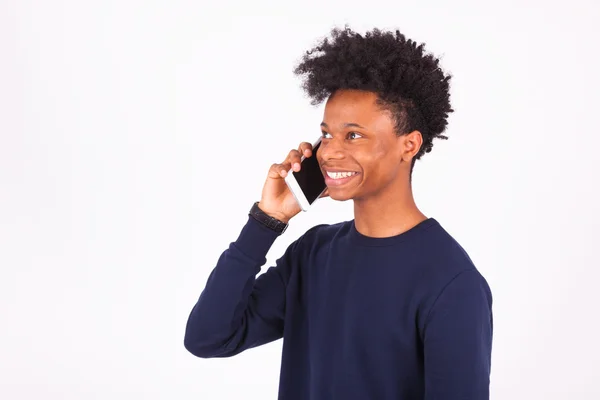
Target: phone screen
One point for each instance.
(310, 178)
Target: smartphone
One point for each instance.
(307, 184)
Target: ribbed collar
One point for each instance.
(359, 239)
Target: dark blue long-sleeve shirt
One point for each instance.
(403, 317)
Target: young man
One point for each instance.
(386, 306)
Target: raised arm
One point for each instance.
(236, 310)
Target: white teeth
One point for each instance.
(339, 175)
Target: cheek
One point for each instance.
(318, 155)
(379, 159)
(381, 166)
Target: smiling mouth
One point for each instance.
(333, 179)
(340, 175)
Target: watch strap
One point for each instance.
(268, 221)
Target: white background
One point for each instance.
(135, 135)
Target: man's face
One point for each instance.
(359, 138)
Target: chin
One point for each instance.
(340, 195)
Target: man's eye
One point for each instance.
(324, 134)
(354, 135)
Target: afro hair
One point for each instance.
(408, 82)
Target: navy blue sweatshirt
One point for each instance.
(402, 317)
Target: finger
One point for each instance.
(284, 168)
(294, 158)
(279, 170)
(305, 149)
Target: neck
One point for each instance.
(388, 213)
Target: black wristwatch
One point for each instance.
(265, 219)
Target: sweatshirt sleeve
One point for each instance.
(237, 311)
(457, 340)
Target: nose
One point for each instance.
(331, 149)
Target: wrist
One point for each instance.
(273, 221)
(273, 214)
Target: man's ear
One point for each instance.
(412, 143)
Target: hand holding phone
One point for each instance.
(308, 184)
(278, 199)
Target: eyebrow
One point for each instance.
(346, 125)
